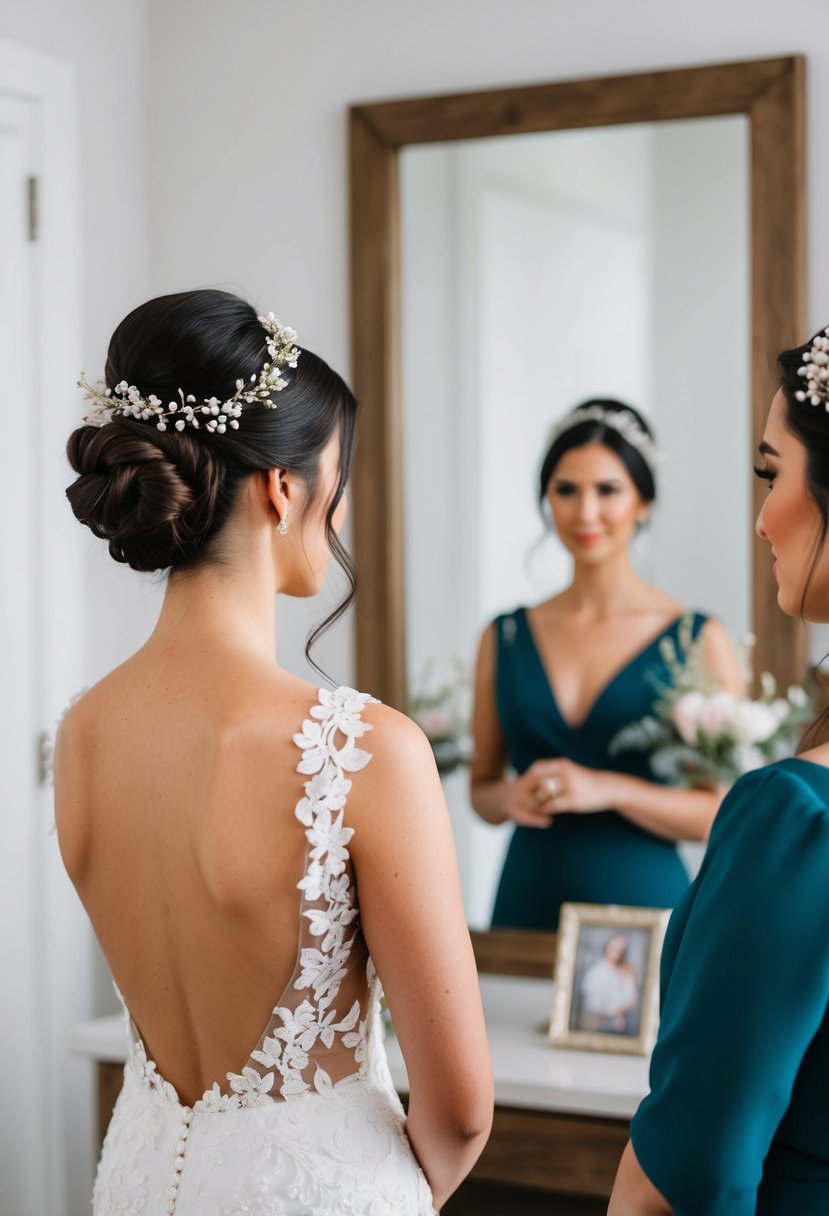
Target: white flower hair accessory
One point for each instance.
(621, 421)
(815, 371)
(126, 401)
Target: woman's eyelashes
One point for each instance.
(765, 473)
(566, 489)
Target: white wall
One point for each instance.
(432, 439)
(700, 352)
(503, 246)
(561, 305)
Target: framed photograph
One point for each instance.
(606, 995)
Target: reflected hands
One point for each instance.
(560, 785)
(521, 803)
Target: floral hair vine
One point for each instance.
(126, 401)
(815, 371)
(621, 421)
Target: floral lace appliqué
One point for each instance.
(298, 1033)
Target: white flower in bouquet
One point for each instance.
(753, 722)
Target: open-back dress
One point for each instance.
(310, 1125)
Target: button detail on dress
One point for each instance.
(178, 1164)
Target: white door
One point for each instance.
(21, 1010)
(46, 1132)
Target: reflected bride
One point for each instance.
(557, 681)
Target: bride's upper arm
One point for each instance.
(413, 919)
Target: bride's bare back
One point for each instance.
(176, 786)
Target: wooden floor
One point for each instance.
(489, 1199)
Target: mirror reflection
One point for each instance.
(605, 269)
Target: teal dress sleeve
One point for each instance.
(745, 988)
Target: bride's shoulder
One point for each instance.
(338, 711)
(394, 729)
(401, 755)
(83, 710)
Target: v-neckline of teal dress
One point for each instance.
(636, 657)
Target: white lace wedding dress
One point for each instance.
(311, 1126)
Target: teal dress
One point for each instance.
(737, 1121)
(599, 858)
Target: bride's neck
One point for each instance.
(218, 607)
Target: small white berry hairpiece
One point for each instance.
(126, 401)
(621, 421)
(815, 371)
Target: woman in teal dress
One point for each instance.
(737, 1120)
(556, 682)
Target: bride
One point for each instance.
(254, 852)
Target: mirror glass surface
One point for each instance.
(538, 271)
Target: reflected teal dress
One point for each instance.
(737, 1121)
(600, 858)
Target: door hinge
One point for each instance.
(45, 756)
(33, 208)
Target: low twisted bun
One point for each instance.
(161, 499)
(152, 495)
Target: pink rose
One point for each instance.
(716, 712)
(686, 713)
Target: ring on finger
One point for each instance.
(552, 786)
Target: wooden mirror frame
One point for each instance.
(770, 92)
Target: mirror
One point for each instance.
(538, 271)
(515, 252)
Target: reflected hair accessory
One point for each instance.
(815, 371)
(126, 401)
(621, 421)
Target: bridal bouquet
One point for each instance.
(440, 710)
(700, 735)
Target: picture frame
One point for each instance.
(606, 984)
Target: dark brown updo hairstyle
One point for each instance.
(595, 431)
(162, 498)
